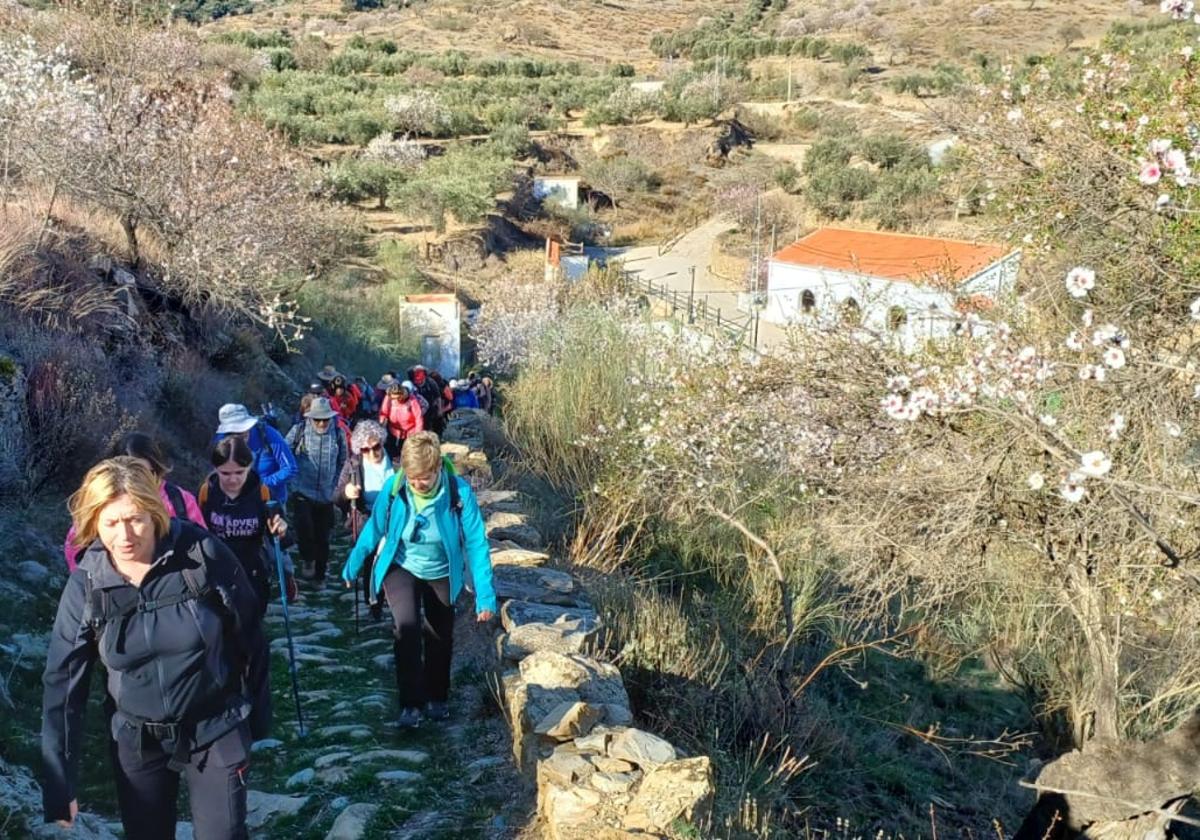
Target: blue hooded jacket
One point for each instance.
(391, 516)
(273, 458)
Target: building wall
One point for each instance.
(436, 322)
(906, 312)
(561, 191)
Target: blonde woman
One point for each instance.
(429, 534)
(169, 611)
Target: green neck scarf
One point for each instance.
(424, 500)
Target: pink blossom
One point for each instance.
(1151, 173)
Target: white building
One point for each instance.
(906, 288)
(560, 189)
(437, 321)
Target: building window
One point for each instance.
(808, 302)
(851, 312)
(897, 318)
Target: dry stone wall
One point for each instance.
(598, 776)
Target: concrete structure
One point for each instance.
(437, 321)
(907, 289)
(648, 86)
(562, 190)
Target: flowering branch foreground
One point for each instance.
(215, 206)
(1031, 492)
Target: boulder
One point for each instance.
(351, 824)
(672, 793)
(641, 748)
(1111, 785)
(543, 586)
(515, 527)
(262, 807)
(532, 627)
(613, 782)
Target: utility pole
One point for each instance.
(692, 296)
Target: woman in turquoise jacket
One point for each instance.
(427, 535)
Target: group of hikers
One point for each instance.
(168, 589)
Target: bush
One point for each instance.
(833, 190)
(890, 151)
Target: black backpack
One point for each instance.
(100, 608)
(175, 495)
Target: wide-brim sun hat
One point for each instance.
(328, 374)
(321, 409)
(234, 418)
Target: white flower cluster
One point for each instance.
(1178, 9)
(1000, 369)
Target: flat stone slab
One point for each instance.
(262, 807)
(507, 501)
(517, 556)
(532, 627)
(351, 824)
(405, 777)
(515, 527)
(332, 758)
(415, 757)
(543, 586)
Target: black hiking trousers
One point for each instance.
(423, 643)
(314, 524)
(147, 789)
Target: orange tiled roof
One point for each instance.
(894, 256)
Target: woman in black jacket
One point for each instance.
(170, 613)
(234, 502)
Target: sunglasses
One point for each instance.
(373, 448)
(322, 422)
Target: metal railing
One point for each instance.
(740, 327)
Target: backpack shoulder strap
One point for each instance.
(264, 492)
(455, 499)
(202, 494)
(175, 495)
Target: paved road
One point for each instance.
(673, 269)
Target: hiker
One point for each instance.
(345, 397)
(234, 501)
(167, 609)
(180, 503)
(273, 460)
(401, 415)
(434, 538)
(367, 469)
(368, 406)
(486, 394)
(445, 400)
(320, 450)
(464, 397)
(431, 393)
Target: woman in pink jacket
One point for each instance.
(401, 415)
(180, 503)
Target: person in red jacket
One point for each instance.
(345, 397)
(400, 414)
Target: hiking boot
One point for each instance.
(408, 719)
(436, 710)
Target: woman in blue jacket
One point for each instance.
(428, 536)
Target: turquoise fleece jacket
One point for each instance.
(390, 515)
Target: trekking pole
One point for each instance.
(355, 527)
(287, 628)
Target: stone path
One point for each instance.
(353, 776)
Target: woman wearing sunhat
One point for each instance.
(320, 450)
(273, 459)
